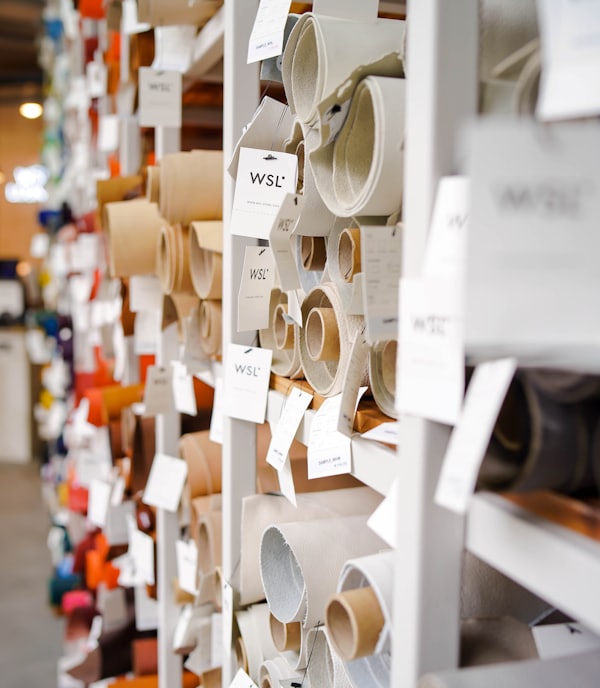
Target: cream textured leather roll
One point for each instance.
(130, 224)
(580, 669)
(198, 507)
(173, 259)
(360, 172)
(260, 511)
(326, 340)
(209, 541)
(325, 669)
(382, 375)
(256, 636)
(344, 263)
(206, 259)
(359, 618)
(178, 307)
(173, 12)
(532, 436)
(273, 671)
(282, 337)
(191, 186)
(210, 324)
(323, 52)
(297, 579)
(203, 459)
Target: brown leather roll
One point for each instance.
(145, 656)
(144, 448)
(203, 458)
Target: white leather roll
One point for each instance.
(255, 631)
(273, 671)
(360, 172)
(260, 511)
(297, 579)
(382, 375)
(282, 337)
(322, 53)
(325, 669)
(327, 326)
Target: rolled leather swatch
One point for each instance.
(153, 183)
(325, 669)
(260, 511)
(323, 52)
(206, 259)
(326, 340)
(273, 671)
(115, 189)
(203, 459)
(130, 224)
(174, 12)
(360, 172)
(538, 443)
(143, 450)
(257, 646)
(173, 259)
(296, 581)
(382, 375)
(209, 541)
(210, 324)
(178, 307)
(282, 337)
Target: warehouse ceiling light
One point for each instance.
(30, 110)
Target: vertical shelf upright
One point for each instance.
(442, 71)
(240, 99)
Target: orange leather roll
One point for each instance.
(145, 656)
(117, 397)
(94, 569)
(203, 458)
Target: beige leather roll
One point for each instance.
(173, 259)
(210, 324)
(132, 229)
(326, 340)
(153, 183)
(173, 12)
(282, 337)
(382, 375)
(117, 189)
(178, 307)
(209, 541)
(203, 459)
(257, 645)
(206, 259)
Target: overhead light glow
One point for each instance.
(31, 110)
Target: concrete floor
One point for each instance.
(31, 635)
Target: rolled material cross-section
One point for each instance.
(324, 52)
(325, 669)
(282, 337)
(257, 643)
(273, 671)
(206, 259)
(382, 375)
(326, 340)
(210, 324)
(173, 259)
(209, 541)
(203, 459)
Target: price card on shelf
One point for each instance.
(159, 97)
(570, 42)
(258, 278)
(246, 382)
(165, 482)
(430, 352)
(329, 452)
(471, 435)
(283, 435)
(266, 39)
(187, 565)
(281, 240)
(98, 502)
(381, 254)
(242, 680)
(158, 391)
(263, 179)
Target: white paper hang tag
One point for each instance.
(146, 610)
(216, 417)
(532, 276)
(158, 391)
(108, 133)
(258, 278)
(563, 639)
(352, 392)
(216, 634)
(246, 382)
(96, 75)
(381, 259)
(38, 247)
(184, 397)
(471, 435)
(266, 38)
(187, 565)
(227, 613)
(98, 502)
(263, 179)
(173, 46)
(159, 98)
(194, 358)
(389, 433)
(286, 482)
(118, 491)
(430, 363)
(116, 522)
(165, 482)
(242, 680)
(145, 293)
(329, 452)
(282, 243)
(384, 520)
(145, 332)
(446, 241)
(141, 550)
(286, 428)
(570, 42)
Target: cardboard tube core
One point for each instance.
(283, 332)
(388, 365)
(314, 252)
(354, 621)
(322, 335)
(218, 588)
(349, 253)
(205, 320)
(286, 636)
(240, 654)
